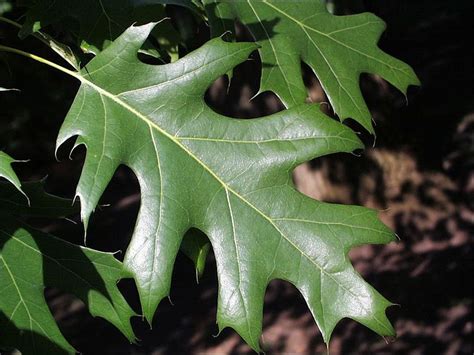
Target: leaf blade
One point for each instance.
(337, 48)
(31, 260)
(236, 183)
(89, 274)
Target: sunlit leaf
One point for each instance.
(229, 178)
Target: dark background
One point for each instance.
(419, 175)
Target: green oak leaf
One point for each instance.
(229, 178)
(98, 22)
(337, 48)
(31, 260)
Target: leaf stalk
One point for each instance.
(10, 22)
(40, 60)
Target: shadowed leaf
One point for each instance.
(337, 48)
(31, 260)
(96, 23)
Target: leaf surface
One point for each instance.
(337, 48)
(229, 178)
(31, 260)
(6, 170)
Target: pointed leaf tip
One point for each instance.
(6, 172)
